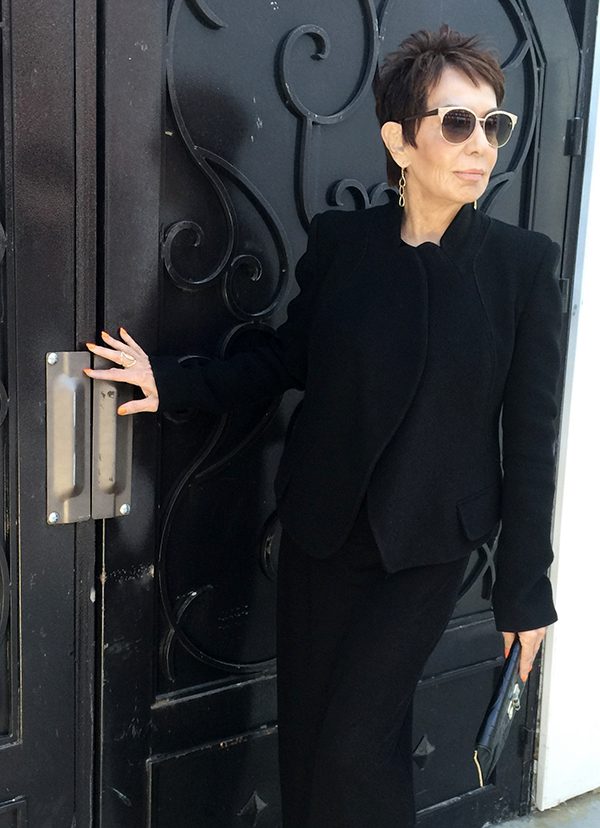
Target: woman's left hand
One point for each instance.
(530, 644)
(134, 369)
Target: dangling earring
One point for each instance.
(402, 189)
(475, 204)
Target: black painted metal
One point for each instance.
(37, 727)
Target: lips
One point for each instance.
(470, 175)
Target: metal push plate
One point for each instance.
(68, 437)
(88, 445)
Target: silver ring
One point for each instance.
(127, 361)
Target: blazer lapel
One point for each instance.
(375, 320)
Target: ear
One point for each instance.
(392, 137)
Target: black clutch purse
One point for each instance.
(499, 716)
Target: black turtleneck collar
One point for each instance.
(460, 241)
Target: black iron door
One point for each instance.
(225, 126)
(47, 250)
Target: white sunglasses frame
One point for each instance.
(442, 111)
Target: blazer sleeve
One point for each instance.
(522, 592)
(218, 385)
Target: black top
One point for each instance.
(458, 362)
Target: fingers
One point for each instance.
(138, 406)
(531, 641)
(131, 342)
(117, 374)
(525, 665)
(118, 345)
(118, 352)
(110, 340)
(509, 637)
(107, 353)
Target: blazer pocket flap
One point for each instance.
(479, 513)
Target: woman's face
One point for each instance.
(450, 173)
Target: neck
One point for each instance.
(423, 221)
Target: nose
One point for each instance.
(477, 139)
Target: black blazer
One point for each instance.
(355, 341)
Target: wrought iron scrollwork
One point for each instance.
(482, 566)
(367, 198)
(211, 164)
(524, 52)
(182, 281)
(308, 118)
(175, 609)
(207, 15)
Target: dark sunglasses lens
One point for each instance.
(498, 129)
(457, 125)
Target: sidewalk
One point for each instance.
(580, 812)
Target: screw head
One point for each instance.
(125, 509)
(52, 358)
(53, 517)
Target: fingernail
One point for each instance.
(122, 330)
(121, 410)
(104, 333)
(90, 345)
(506, 652)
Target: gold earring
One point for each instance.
(402, 189)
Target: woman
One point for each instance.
(417, 326)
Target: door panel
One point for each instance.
(221, 129)
(37, 563)
(222, 135)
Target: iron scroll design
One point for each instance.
(526, 55)
(210, 163)
(207, 15)
(308, 118)
(232, 264)
(201, 467)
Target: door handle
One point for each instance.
(68, 428)
(88, 445)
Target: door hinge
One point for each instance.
(574, 136)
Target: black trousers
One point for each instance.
(352, 643)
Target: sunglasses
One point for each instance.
(458, 124)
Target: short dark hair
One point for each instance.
(403, 82)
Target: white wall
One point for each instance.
(569, 745)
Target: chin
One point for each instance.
(469, 198)
(465, 199)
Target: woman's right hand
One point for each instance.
(135, 369)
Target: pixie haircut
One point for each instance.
(403, 82)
